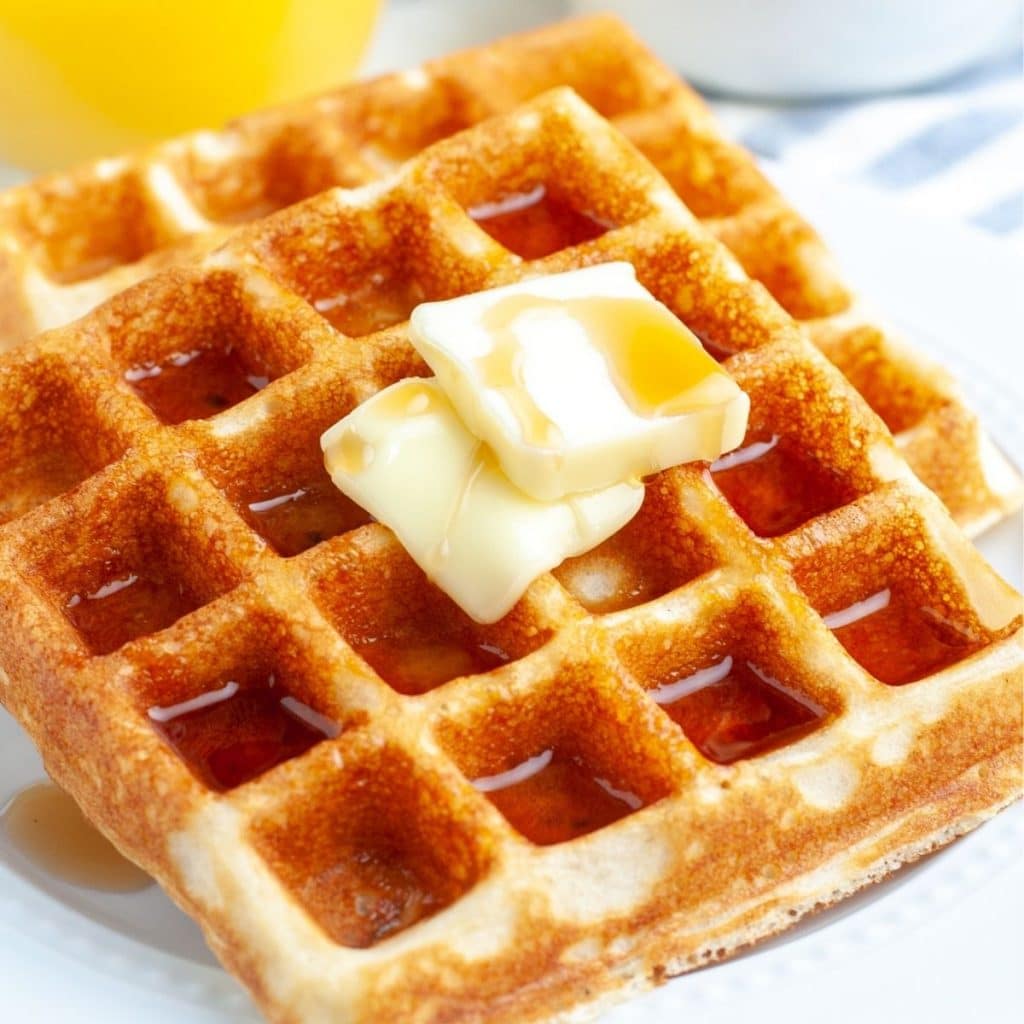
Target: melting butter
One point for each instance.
(474, 533)
(656, 370)
(553, 398)
(579, 381)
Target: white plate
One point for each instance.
(124, 958)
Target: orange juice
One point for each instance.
(80, 78)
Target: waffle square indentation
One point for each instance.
(52, 436)
(656, 552)
(214, 344)
(372, 845)
(412, 635)
(81, 227)
(132, 592)
(275, 476)
(240, 725)
(806, 452)
(558, 759)
(537, 221)
(363, 263)
(893, 601)
(540, 202)
(127, 558)
(735, 686)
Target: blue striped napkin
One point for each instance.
(953, 150)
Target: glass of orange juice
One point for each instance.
(83, 78)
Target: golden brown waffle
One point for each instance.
(364, 877)
(69, 241)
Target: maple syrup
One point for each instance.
(370, 893)
(774, 489)
(535, 223)
(898, 640)
(237, 731)
(553, 797)
(655, 366)
(297, 519)
(194, 385)
(501, 370)
(46, 826)
(122, 603)
(414, 665)
(734, 710)
(380, 301)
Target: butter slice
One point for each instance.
(580, 380)
(405, 456)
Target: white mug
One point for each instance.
(812, 48)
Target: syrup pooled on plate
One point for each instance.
(734, 709)
(536, 223)
(233, 733)
(295, 520)
(897, 640)
(46, 826)
(194, 385)
(412, 665)
(775, 490)
(553, 797)
(122, 603)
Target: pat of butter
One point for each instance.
(581, 380)
(405, 456)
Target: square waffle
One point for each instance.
(377, 809)
(68, 241)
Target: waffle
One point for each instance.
(71, 240)
(340, 859)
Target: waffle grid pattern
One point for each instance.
(272, 869)
(69, 241)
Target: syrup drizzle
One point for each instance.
(534, 224)
(413, 665)
(741, 456)
(123, 604)
(381, 301)
(296, 520)
(734, 709)
(774, 488)
(552, 797)
(859, 610)
(236, 732)
(46, 826)
(898, 639)
(656, 367)
(194, 384)
(480, 461)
